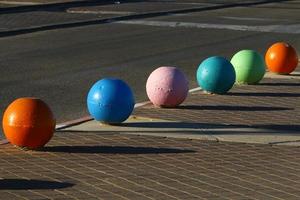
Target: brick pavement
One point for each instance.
(86, 165)
(110, 165)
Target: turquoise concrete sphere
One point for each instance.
(249, 67)
(110, 101)
(216, 75)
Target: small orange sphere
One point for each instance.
(28, 122)
(281, 58)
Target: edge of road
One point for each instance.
(87, 118)
(81, 120)
(78, 23)
(75, 122)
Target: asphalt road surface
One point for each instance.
(59, 66)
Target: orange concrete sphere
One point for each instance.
(28, 122)
(281, 58)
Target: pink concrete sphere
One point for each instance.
(167, 87)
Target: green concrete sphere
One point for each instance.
(249, 67)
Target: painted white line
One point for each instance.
(100, 12)
(195, 89)
(20, 3)
(149, 102)
(193, 3)
(82, 12)
(87, 118)
(251, 19)
(142, 104)
(73, 122)
(59, 126)
(290, 29)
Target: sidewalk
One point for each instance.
(268, 113)
(151, 156)
(97, 165)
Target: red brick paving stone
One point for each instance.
(209, 170)
(273, 104)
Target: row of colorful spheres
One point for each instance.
(29, 122)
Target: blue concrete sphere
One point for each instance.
(216, 75)
(110, 101)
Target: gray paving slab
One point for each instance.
(177, 129)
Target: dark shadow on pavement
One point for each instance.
(233, 108)
(165, 125)
(23, 184)
(113, 150)
(202, 127)
(281, 127)
(223, 131)
(280, 84)
(191, 125)
(264, 94)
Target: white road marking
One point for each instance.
(195, 89)
(290, 29)
(141, 104)
(193, 3)
(251, 19)
(20, 3)
(67, 124)
(100, 12)
(59, 126)
(149, 102)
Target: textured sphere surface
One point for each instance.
(167, 87)
(110, 101)
(216, 75)
(28, 122)
(281, 58)
(249, 67)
